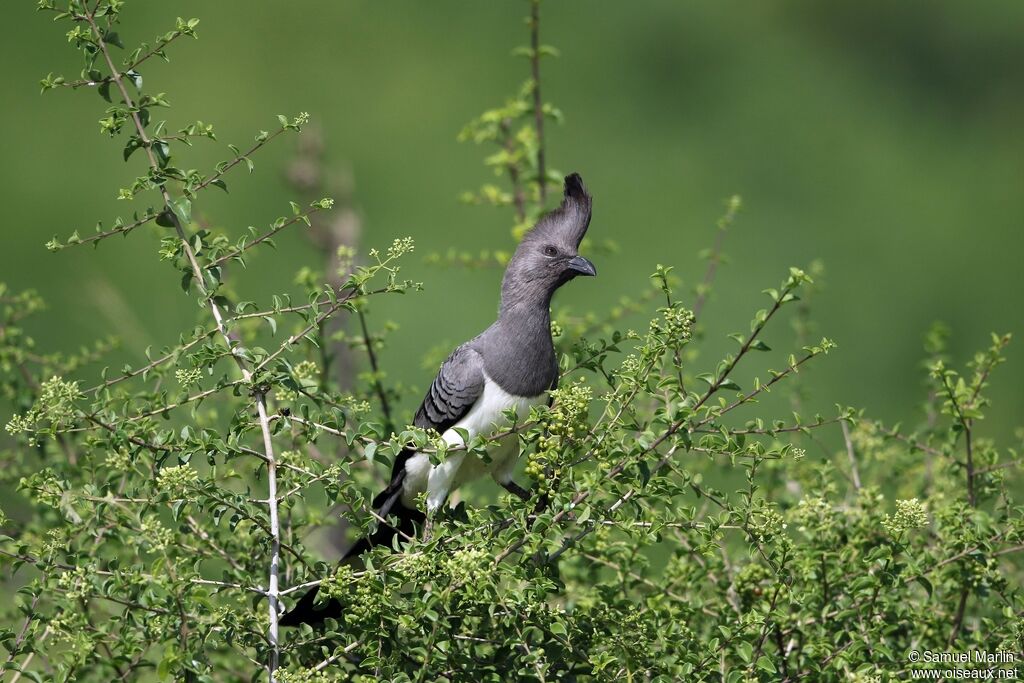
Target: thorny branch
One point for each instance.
(260, 396)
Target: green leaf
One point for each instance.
(163, 669)
(163, 152)
(584, 516)
(129, 148)
(182, 208)
(645, 473)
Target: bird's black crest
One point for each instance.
(569, 222)
(575, 188)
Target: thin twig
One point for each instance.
(121, 230)
(176, 352)
(518, 196)
(303, 307)
(715, 258)
(378, 386)
(31, 656)
(334, 308)
(304, 217)
(24, 632)
(237, 160)
(965, 590)
(538, 103)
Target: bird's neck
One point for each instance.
(519, 353)
(524, 299)
(528, 314)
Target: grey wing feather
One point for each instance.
(458, 385)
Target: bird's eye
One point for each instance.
(550, 251)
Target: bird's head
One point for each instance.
(548, 255)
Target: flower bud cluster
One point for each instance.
(188, 377)
(677, 324)
(564, 424)
(55, 407)
(910, 514)
(177, 481)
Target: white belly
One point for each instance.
(486, 417)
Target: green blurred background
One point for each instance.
(884, 138)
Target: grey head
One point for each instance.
(517, 350)
(547, 257)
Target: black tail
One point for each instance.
(387, 502)
(305, 611)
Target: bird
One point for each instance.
(511, 365)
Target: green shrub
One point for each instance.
(680, 530)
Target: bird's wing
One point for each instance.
(458, 385)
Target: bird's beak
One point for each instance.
(581, 266)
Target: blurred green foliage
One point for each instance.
(882, 138)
